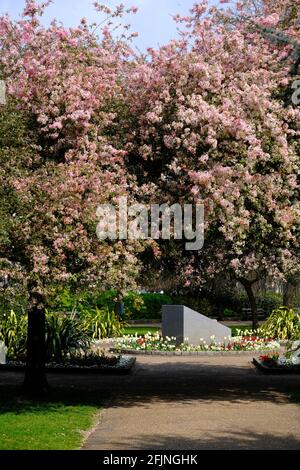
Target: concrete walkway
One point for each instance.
(191, 403)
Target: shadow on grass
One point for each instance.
(13, 400)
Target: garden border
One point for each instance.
(104, 370)
(192, 353)
(274, 370)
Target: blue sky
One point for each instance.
(153, 22)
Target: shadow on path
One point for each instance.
(242, 440)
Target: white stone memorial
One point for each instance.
(189, 326)
(2, 93)
(2, 353)
(295, 356)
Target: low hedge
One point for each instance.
(148, 306)
(136, 305)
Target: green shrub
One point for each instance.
(64, 335)
(206, 308)
(237, 301)
(199, 303)
(63, 300)
(149, 305)
(283, 324)
(67, 301)
(135, 306)
(153, 305)
(101, 323)
(100, 299)
(269, 301)
(13, 332)
(229, 313)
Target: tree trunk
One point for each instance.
(248, 286)
(288, 294)
(35, 383)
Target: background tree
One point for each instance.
(212, 129)
(278, 22)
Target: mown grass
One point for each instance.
(58, 423)
(140, 330)
(143, 330)
(236, 328)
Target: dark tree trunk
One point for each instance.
(248, 286)
(35, 383)
(288, 294)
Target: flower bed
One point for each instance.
(156, 344)
(269, 367)
(275, 363)
(81, 364)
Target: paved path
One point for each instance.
(213, 403)
(193, 403)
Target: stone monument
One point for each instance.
(2, 93)
(182, 322)
(2, 353)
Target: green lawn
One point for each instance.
(56, 424)
(140, 330)
(235, 328)
(143, 330)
